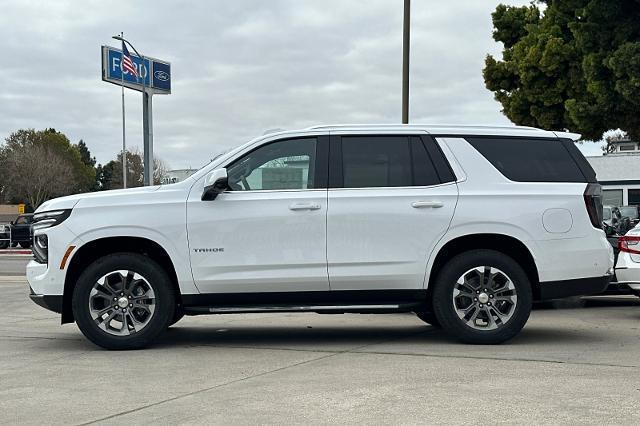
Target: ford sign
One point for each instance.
(161, 75)
(157, 73)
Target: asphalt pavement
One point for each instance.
(568, 366)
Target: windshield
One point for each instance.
(23, 220)
(630, 212)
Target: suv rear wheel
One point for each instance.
(123, 301)
(482, 297)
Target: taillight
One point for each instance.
(629, 244)
(593, 202)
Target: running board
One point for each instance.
(327, 309)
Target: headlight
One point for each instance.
(48, 219)
(43, 221)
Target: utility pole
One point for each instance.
(405, 60)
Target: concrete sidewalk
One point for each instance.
(568, 366)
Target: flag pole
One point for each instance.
(124, 138)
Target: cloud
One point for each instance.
(241, 67)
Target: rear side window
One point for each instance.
(386, 161)
(529, 160)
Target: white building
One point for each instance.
(177, 175)
(619, 174)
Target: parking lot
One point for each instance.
(567, 366)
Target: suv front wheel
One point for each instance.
(482, 297)
(123, 301)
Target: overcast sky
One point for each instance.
(241, 67)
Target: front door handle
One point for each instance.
(304, 206)
(427, 204)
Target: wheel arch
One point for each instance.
(505, 244)
(93, 250)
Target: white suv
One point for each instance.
(465, 226)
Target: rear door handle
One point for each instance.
(427, 204)
(304, 206)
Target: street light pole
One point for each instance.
(147, 125)
(405, 60)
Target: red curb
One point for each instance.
(9, 252)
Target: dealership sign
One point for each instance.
(153, 74)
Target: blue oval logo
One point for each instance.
(161, 75)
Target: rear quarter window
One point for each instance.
(529, 160)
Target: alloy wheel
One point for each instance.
(484, 298)
(122, 303)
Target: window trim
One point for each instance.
(336, 177)
(320, 176)
(443, 167)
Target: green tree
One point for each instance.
(573, 65)
(39, 165)
(109, 176)
(89, 161)
(85, 154)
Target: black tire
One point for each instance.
(4, 244)
(156, 278)
(443, 297)
(429, 318)
(25, 245)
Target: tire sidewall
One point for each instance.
(443, 296)
(156, 277)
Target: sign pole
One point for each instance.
(124, 140)
(147, 127)
(159, 82)
(406, 31)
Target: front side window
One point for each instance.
(287, 164)
(386, 161)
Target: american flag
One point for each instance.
(127, 63)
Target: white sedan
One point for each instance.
(628, 264)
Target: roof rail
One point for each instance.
(424, 126)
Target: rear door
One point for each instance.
(391, 198)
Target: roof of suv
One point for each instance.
(450, 130)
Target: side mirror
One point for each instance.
(11, 223)
(214, 184)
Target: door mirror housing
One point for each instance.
(214, 184)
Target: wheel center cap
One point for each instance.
(123, 302)
(483, 298)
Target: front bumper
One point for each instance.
(52, 303)
(578, 287)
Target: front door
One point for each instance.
(388, 207)
(267, 232)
